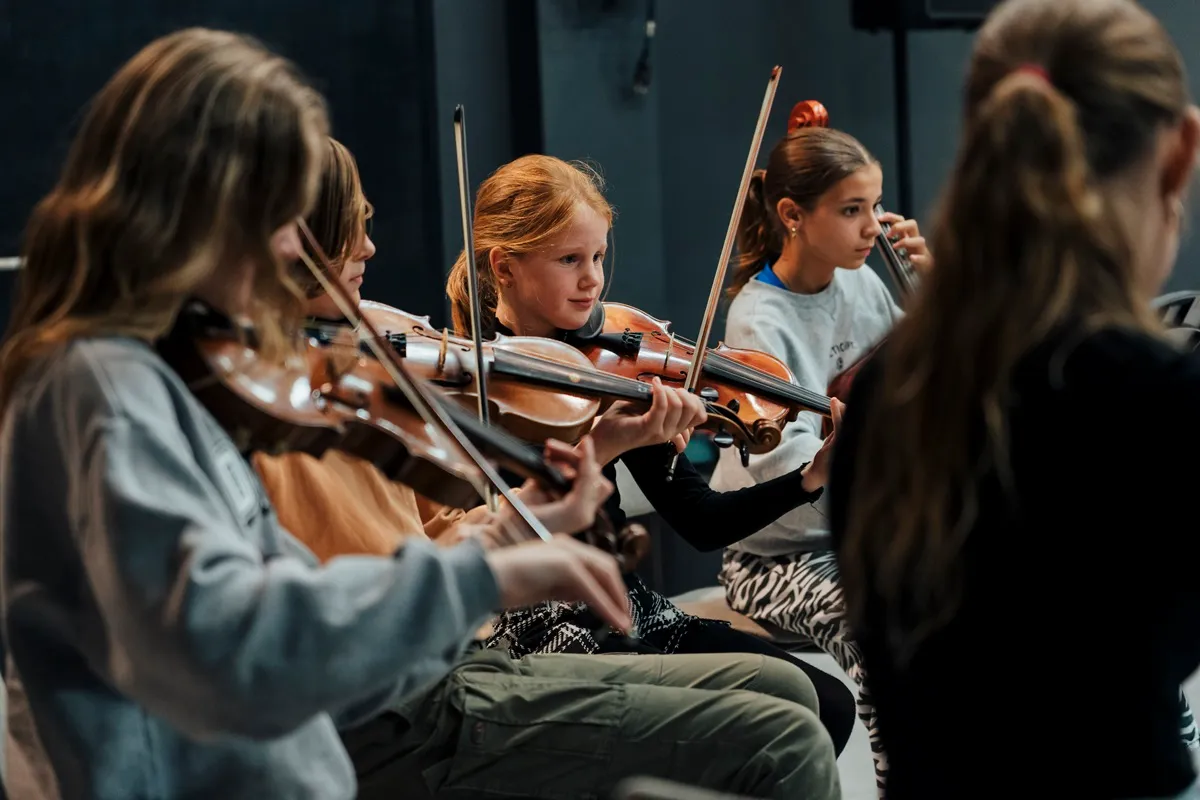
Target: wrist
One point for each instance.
(604, 448)
(810, 481)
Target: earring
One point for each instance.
(793, 230)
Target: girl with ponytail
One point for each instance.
(800, 293)
(975, 501)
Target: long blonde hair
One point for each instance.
(520, 208)
(1027, 242)
(191, 156)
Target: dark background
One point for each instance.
(548, 75)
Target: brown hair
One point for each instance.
(803, 166)
(1026, 243)
(520, 208)
(193, 155)
(338, 219)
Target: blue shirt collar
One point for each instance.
(767, 275)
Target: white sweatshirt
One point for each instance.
(817, 336)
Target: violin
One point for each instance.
(757, 388)
(812, 114)
(336, 397)
(324, 399)
(537, 388)
(382, 428)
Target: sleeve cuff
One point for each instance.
(476, 584)
(809, 497)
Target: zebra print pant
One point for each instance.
(802, 594)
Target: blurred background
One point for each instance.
(667, 120)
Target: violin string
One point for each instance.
(754, 378)
(435, 417)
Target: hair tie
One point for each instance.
(1037, 70)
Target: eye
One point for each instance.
(569, 260)
(598, 258)
(850, 211)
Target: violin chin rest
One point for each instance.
(593, 327)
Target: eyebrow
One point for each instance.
(861, 199)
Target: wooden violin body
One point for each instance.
(756, 388)
(538, 388)
(262, 406)
(526, 375)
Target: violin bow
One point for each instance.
(430, 410)
(714, 295)
(464, 206)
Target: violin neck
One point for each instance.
(734, 372)
(768, 386)
(567, 378)
(902, 272)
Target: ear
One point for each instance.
(1180, 162)
(498, 261)
(789, 213)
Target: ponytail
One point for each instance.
(458, 289)
(759, 240)
(1027, 244)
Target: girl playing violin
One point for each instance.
(801, 294)
(167, 636)
(979, 518)
(339, 504)
(541, 232)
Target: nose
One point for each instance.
(593, 276)
(367, 251)
(875, 228)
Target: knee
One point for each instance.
(786, 681)
(793, 751)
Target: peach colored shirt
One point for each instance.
(340, 505)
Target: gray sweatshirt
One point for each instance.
(167, 638)
(817, 336)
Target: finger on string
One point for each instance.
(562, 451)
(659, 404)
(586, 453)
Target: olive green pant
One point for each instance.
(566, 726)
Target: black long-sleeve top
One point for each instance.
(1059, 675)
(707, 519)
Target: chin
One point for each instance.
(571, 319)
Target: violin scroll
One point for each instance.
(808, 114)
